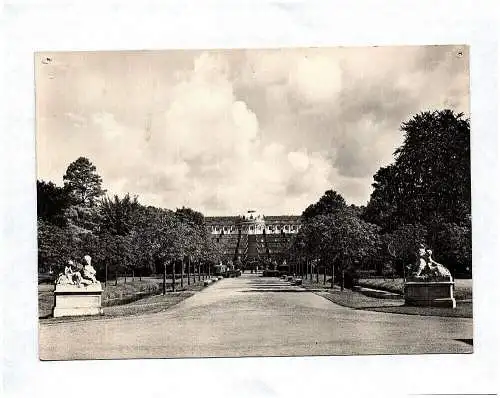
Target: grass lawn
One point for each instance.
(462, 291)
(357, 300)
(136, 296)
(312, 284)
(148, 305)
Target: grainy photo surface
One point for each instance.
(244, 202)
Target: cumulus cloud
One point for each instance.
(299, 161)
(222, 131)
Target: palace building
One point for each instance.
(253, 237)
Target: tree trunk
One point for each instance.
(317, 272)
(342, 280)
(173, 276)
(116, 278)
(182, 272)
(164, 277)
(324, 274)
(199, 272)
(106, 275)
(133, 276)
(333, 273)
(189, 270)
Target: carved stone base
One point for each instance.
(430, 293)
(71, 300)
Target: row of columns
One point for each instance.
(289, 228)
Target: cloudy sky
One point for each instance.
(224, 131)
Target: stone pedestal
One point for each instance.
(71, 300)
(437, 292)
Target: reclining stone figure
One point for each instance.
(69, 276)
(73, 277)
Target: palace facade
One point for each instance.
(252, 237)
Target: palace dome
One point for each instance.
(252, 216)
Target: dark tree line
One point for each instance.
(427, 189)
(334, 240)
(122, 236)
(422, 197)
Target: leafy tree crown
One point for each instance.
(83, 182)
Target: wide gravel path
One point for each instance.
(254, 316)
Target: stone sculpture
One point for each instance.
(427, 267)
(89, 272)
(75, 294)
(436, 268)
(70, 276)
(431, 285)
(73, 277)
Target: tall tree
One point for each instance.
(434, 166)
(52, 203)
(83, 182)
(382, 207)
(329, 203)
(189, 215)
(403, 244)
(346, 239)
(430, 177)
(117, 215)
(144, 238)
(55, 247)
(452, 246)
